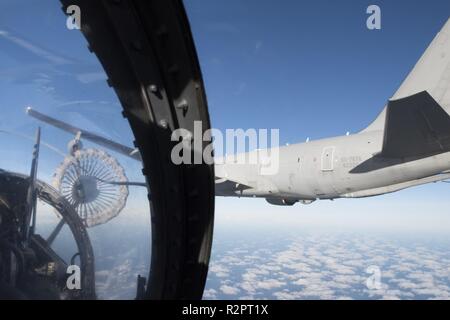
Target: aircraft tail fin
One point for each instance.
(416, 126)
(431, 73)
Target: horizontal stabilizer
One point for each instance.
(416, 126)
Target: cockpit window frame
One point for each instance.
(148, 53)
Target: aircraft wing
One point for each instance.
(229, 188)
(416, 126)
(242, 180)
(104, 142)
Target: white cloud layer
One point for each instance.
(330, 267)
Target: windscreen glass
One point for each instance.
(52, 86)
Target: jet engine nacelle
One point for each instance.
(281, 202)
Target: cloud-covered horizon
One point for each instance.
(329, 266)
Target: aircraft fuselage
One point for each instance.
(345, 166)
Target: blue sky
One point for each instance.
(313, 69)
(48, 67)
(310, 68)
